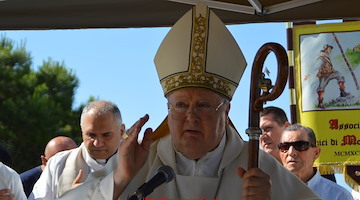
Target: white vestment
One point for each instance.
(226, 185)
(62, 169)
(10, 179)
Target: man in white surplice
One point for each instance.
(101, 127)
(199, 66)
(10, 184)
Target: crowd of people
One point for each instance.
(199, 66)
(201, 160)
(294, 146)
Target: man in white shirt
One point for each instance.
(10, 184)
(101, 127)
(298, 151)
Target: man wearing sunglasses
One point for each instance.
(298, 151)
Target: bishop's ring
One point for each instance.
(125, 136)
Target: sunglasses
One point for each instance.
(298, 145)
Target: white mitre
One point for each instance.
(200, 52)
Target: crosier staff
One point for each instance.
(261, 91)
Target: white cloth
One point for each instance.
(227, 184)
(355, 194)
(327, 189)
(205, 166)
(48, 185)
(10, 179)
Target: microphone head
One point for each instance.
(168, 172)
(163, 174)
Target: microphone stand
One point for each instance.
(261, 91)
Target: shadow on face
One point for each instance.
(197, 119)
(101, 134)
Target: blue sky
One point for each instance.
(117, 65)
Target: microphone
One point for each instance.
(162, 175)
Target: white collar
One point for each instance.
(207, 165)
(95, 165)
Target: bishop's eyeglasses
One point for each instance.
(205, 112)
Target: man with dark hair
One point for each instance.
(273, 121)
(298, 152)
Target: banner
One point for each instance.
(327, 86)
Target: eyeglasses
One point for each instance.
(298, 145)
(204, 112)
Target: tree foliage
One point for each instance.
(35, 105)
(353, 56)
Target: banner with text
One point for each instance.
(327, 73)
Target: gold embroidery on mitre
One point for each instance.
(196, 76)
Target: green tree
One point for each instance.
(35, 105)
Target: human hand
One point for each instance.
(131, 154)
(77, 180)
(256, 184)
(5, 194)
